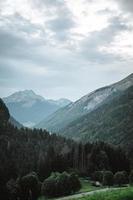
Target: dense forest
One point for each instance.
(23, 151)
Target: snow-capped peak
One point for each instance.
(23, 96)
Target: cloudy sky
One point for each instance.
(64, 48)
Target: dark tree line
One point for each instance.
(24, 150)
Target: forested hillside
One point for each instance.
(24, 150)
(83, 108)
(104, 115)
(112, 122)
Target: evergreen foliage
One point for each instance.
(131, 178)
(108, 178)
(60, 184)
(25, 150)
(120, 178)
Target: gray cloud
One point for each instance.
(61, 26)
(49, 3)
(126, 5)
(38, 56)
(61, 23)
(62, 18)
(90, 46)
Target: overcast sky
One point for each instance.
(64, 48)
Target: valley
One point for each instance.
(92, 150)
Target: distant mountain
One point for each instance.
(61, 102)
(29, 108)
(69, 120)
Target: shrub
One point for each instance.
(131, 178)
(98, 176)
(60, 184)
(126, 177)
(108, 178)
(120, 178)
(29, 186)
(49, 187)
(63, 186)
(74, 182)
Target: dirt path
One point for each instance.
(75, 196)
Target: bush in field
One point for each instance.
(98, 176)
(126, 177)
(131, 178)
(120, 178)
(63, 184)
(29, 186)
(26, 187)
(108, 178)
(74, 182)
(49, 187)
(60, 184)
(56, 185)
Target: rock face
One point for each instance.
(29, 108)
(61, 120)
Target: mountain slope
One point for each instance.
(14, 122)
(4, 112)
(29, 108)
(4, 115)
(112, 122)
(63, 117)
(60, 102)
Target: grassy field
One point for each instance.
(120, 194)
(86, 186)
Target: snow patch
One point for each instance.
(98, 98)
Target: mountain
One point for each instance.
(71, 115)
(29, 108)
(112, 122)
(60, 102)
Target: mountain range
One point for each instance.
(29, 108)
(105, 114)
